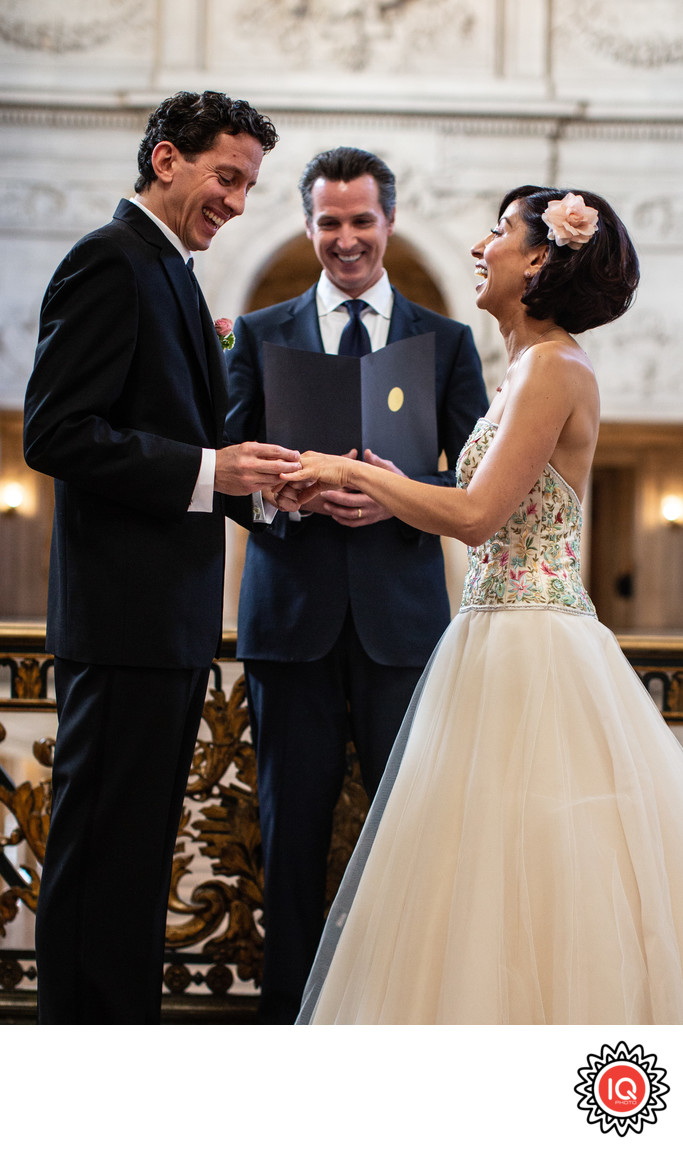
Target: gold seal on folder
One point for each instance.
(395, 399)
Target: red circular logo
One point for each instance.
(622, 1088)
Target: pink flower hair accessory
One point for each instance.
(225, 333)
(570, 221)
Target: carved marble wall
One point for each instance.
(463, 98)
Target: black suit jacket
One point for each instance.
(129, 384)
(300, 578)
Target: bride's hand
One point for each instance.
(353, 509)
(321, 473)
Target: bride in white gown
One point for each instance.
(523, 859)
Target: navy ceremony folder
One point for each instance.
(384, 401)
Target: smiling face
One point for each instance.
(349, 232)
(195, 197)
(505, 263)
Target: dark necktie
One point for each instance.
(190, 267)
(201, 312)
(355, 338)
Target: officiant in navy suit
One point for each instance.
(125, 408)
(341, 605)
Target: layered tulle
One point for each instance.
(525, 863)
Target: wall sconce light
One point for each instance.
(672, 509)
(11, 497)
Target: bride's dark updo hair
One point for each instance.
(584, 287)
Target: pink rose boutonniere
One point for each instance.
(225, 333)
(570, 221)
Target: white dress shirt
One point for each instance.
(333, 316)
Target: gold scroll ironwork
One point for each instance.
(224, 913)
(215, 919)
(219, 918)
(29, 805)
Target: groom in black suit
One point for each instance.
(125, 408)
(341, 606)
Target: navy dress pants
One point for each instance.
(302, 715)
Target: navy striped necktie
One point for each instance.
(355, 338)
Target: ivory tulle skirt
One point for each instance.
(523, 860)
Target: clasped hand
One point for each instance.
(328, 484)
(245, 468)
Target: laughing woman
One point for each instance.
(523, 859)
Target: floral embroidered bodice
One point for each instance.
(533, 561)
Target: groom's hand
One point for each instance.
(247, 467)
(285, 497)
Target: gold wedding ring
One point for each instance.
(360, 513)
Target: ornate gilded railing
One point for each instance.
(659, 663)
(214, 936)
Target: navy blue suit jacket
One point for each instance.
(129, 384)
(301, 577)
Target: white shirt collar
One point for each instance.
(171, 236)
(379, 297)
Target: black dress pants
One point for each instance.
(302, 715)
(124, 748)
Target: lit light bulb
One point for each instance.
(12, 496)
(672, 508)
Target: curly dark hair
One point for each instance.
(192, 121)
(578, 288)
(343, 165)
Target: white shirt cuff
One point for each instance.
(261, 510)
(202, 496)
